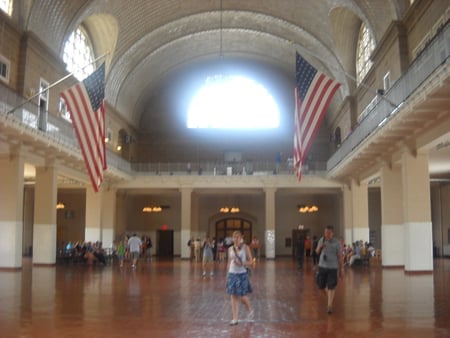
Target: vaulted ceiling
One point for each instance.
(157, 46)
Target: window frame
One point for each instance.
(5, 64)
(364, 48)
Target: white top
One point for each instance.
(234, 267)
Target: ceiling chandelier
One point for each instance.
(232, 210)
(307, 209)
(155, 208)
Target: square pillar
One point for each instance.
(392, 236)
(11, 218)
(418, 230)
(44, 229)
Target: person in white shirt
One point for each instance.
(238, 283)
(135, 245)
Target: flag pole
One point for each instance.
(53, 84)
(361, 84)
(377, 92)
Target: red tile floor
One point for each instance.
(171, 299)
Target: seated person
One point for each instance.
(356, 254)
(370, 249)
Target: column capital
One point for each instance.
(186, 189)
(270, 189)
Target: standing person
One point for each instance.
(315, 242)
(238, 283)
(330, 260)
(148, 249)
(255, 248)
(308, 246)
(300, 247)
(197, 249)
(121, 252)
(135, 244)
(208, 257)
(221, 249)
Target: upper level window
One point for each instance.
(232, 102)
(6, 6)
(365, 47)
(4, 69)
(78, 54)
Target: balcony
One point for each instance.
(52, 137)
(416, 102)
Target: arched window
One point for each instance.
(6, 6)
(365, 47)
(225, 228)
(78, 54)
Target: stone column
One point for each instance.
(392, 249)
(347, 220)
(11, 207)
(270, 222)
(108, 217)
(44, 229)
(185, 222)
(417, 212)
(360, 211)
(93, 230)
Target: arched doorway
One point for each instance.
(226, 226)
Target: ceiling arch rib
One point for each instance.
(282, 40)
(161, 62)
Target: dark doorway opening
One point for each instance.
(165, 243)
(298, 235)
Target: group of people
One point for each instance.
(306, 247)
(240, 257)
(132, 248)
(85, 252)
(359, 250)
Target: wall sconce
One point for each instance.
(155, 208)
(232, 210)
(60, 205)
(307, 209)
(119, 147)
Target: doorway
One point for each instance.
(298, 235)
(164, 240)
(226, 227)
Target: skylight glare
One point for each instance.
(232, 102)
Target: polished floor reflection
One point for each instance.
(171, 299)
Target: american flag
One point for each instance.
(85, 102)
(313, 94)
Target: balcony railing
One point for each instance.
(436, 54)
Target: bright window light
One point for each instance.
(232, 102)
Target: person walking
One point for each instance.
(121, 252)
(254, 245)
(300, 252)
(135, 245)
(208, 257)
(330, 260)
(315, 256)
(238, 283)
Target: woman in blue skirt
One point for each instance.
(238, 283)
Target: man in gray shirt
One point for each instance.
(330, 260)
(135, 245)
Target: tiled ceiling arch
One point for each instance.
(156, 38)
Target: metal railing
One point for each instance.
(433, 56)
